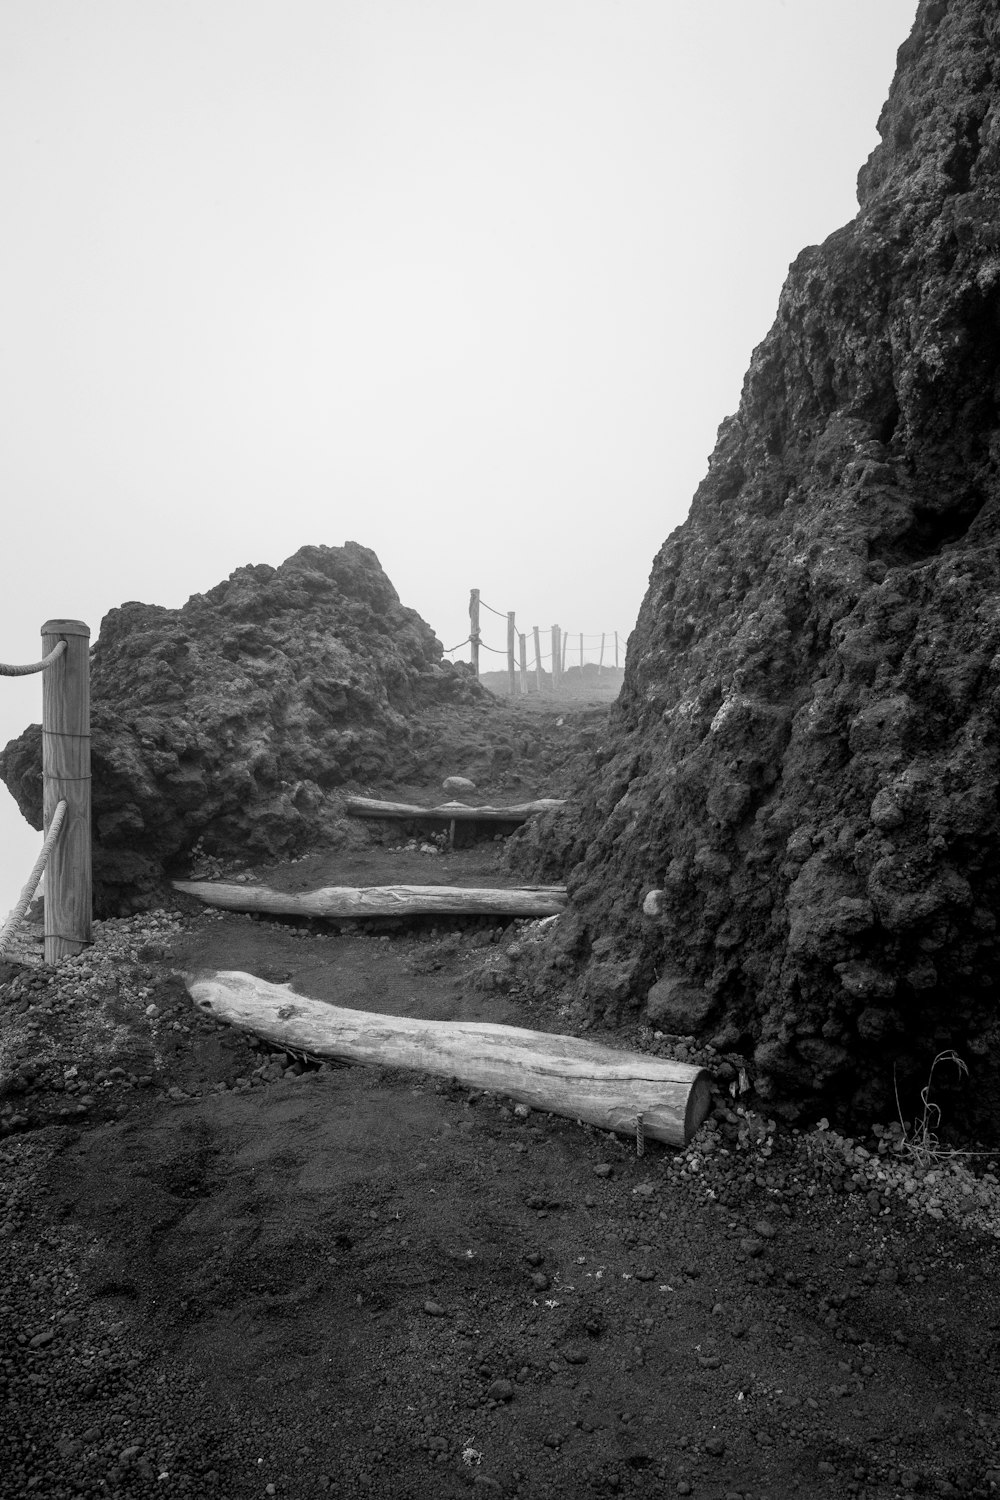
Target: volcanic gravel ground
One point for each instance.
(230, 1272)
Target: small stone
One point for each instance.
(501, 1390)
(603, 1169)
(575, 1354)
(433, 1309)
(715, 1446)
(540, 1281)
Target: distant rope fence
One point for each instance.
(65, 856)
(567, 650)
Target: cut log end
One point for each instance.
(698, 1106)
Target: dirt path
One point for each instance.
(228, 1275)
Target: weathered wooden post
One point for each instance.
(600, 664)
(66, 777)
(474, 629)
(522, 647)
(511, 636)
(555, 658)
(564, 641)
(538, 659)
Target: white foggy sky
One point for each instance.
(472, 282)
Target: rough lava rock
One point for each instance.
(804, 757)
(233, 719)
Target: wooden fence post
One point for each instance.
(556, 657)
(474, 629)
(564, 641)
(538, 659)
(600, 664)
(523, 663)
(66, 776)
(511, 634)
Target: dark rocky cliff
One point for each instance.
(803, 766)
(233, 719)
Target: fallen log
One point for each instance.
(347, 901)
(567, 1075)
(450, 812)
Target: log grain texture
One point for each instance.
(567, 1075)
(343, 901)
(458, 812)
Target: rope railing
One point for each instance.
(36, 666)
(16, 915)
(65, 665)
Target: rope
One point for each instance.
(24, 900)
(35, 666)
(498, 612)
(449, 649)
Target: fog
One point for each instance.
(471, 283)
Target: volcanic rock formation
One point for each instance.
(789, 845)
(232, 719)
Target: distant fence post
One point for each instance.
(600, 664)
(564, 641)
(474, 629)
(616, 650)
(556, 658)
(522, 647)
(511, 635)
(66, 777)
(538, 659)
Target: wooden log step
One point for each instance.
(346, 901)
(565, 1074)
(450, 812)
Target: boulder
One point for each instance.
(674, 1005)
(231, 722)
(804, 758)
(458, 785)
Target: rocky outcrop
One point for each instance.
(803, 765)
(234, 719)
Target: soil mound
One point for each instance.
(232, 720)
(803, 762)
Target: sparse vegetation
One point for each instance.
(920, 1139)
